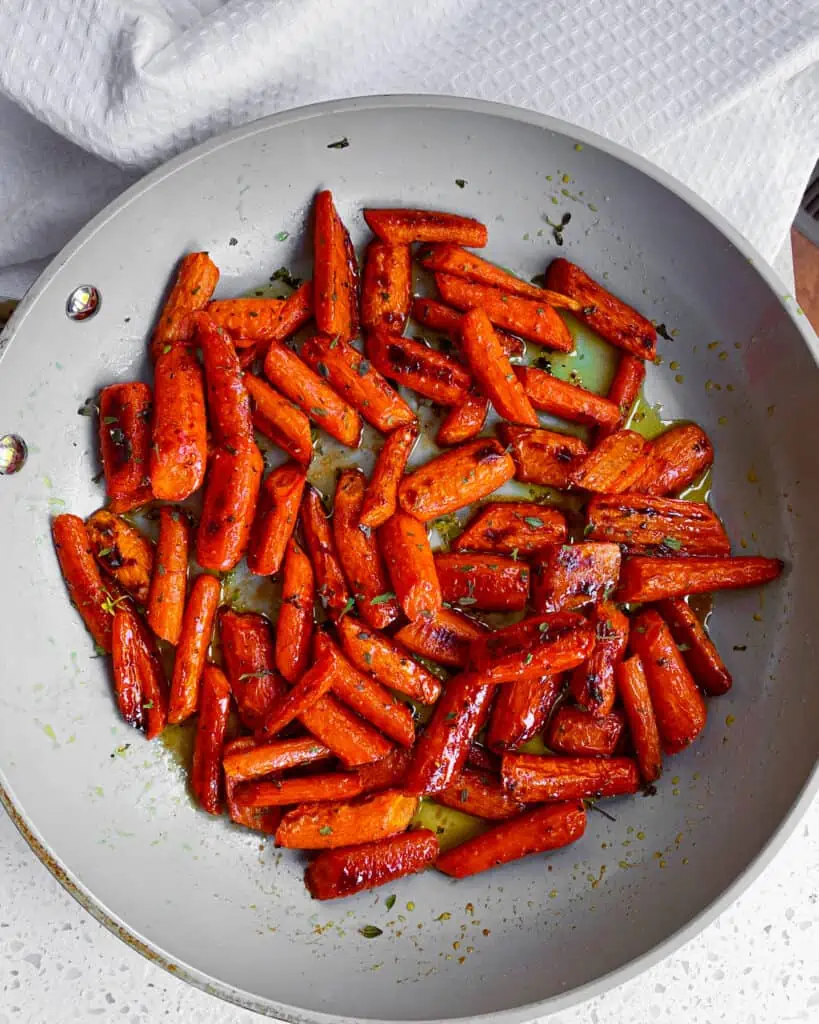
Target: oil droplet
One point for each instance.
(578, 146)
(679, 378)
(729, 720)
(712, 345)
(674, 365)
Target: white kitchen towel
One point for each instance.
(722, 93)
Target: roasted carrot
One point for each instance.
(444, 638)
(532, 648)
(125, 441)
(388, 773)
(480, 794)
(625, 387)
(403, 227)
(605, 465)
(353, 741)
(279, 420)
(661, 526)
(231, 494)
(512, 527)
(390, 663)
(698, 650)
(179, 433)
(312, 686)
(492, 371)
(336, 873)
(301, 385)
(276, 516)
(671, 462)
(335, 272)
(482, 758)
(489, 583)
(246, 761)
(592, 685)
(612, 318)
(360, 554)
(261, 819)
(381, 494)
(455, 479)
(261, 320)
(575, 731)
(123, 552)
(195, 282)
(440, 754)
(537, 831)
(418, 367)
(295, 625)
(247, 648)
(358, 382)
(677, 702)
(330, 582)
(535, 779)
(405, 545)
(464, 421)
(169, 580)
(347, 823)
(520, 712)
(568, 401)
(192, 650)
(206, 768)
(310, 789)
(127, 676)
(642, 723)
(439, 317)
(655, 579)
(228, 401)
(82, 577)
(385, 286)
(574, 575)
(542, 456)
(527, 317)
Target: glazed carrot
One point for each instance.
(336, 873)
(381, 494)
(633, 689)
(662, 526)
(527, 317)
(568, 401)
(464, 421)
(520, 712)
(444, 638)
(247, 649)
(672, 461)
(537, 831)
(522, 527)
(123, 552)
(408, 555)
(440, 754)
(195, 282)
(542, 456)
(385, 286)
(228, 401)
(592, 685)
(482, 759)
(353, 741)
(294, 629)
(387, 660)
(206, 768)
(262, 819)
(335, 272)
(179, 434)
(246, 761)
(492, 370)
(127, 676)
(455, 479)
(489, 583)
(447, 320)
(613, 320)
(279, 420)
(358, 382)
(82, 577)
(698, 650)
(601, 469)
(573, 575)
(307, 390)
(418, 367)
(310, 789)
(388, 773)
(125, 441)
(534, 779)
(403, 227)
(347, 823)
(231, 494)
(276, 516)
(330, 582)
(625, 387)
(169, 580)
(655, 579)
(312, 686)
(192, 650)
(574, 731)
(480, 794)
(260, 320)
(360, 554)
(532, 648)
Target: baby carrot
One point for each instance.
(169, 580)
(127, 676)
(263, 320)
(231, 493)
(312, 686)
(206, 768)
(330, 582)
(309, 789)
(521, 710)
(294, 629)
(276, 516)
(381, 494)
(336, 873)
(536, 779)
(335, 272)
(574, 731)
(408, 555)
(279, 420)
(512, 527)
(479, 794)
(346, 823)
(542, 456)
(592, 685)
(492, 370)
(655, 579)
(464, 421)
(604, 466)
(179, 431)
(353, 741)
(698, 650)
(228, 401)
(82, 577)
(642, 723)
(532, 648)
(388, 773)
(625, 387)
(565, 400)
(192, 650)
(671, 462)
(403, 227)
(386, 286)
(122, 551)
(195, 282)
(260, 819)
(125, 441)
(247, 649)
(249, 759)
(439, 317)
(387, 660)
(489, 583)
(646, 525)
(574, 575)
(418, 367)
(445, 637)
(455, 479)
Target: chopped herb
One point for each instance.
(444, 917)
(88, 408)
(383, 598)
(256, 675)
(322, 369)
(466, 568)
(740, 647)
(161, 570)
(284, 275)
(103, 552)
(460, 182)
(110, 419)
(543, 627)
(363, 368)
(683, 647)
(449, 716)
(233, 241)
(528, 659)
(463, 796)
(166, 349)
(348, 607)
(533, 521)
(334, 342)
(368, 658)
(515, 554)
(464, 601)
(369, 931)
(148, 705)
(389, 902)
(587, 529)
(282, 236)
(100, 652)
(316, 410)
(325, 830)
(662, 330)
(672, 543)
(341, 144)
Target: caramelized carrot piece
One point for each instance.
(387, 660)
(671, 462)
(127, 676)
(520, 712)
(601, 469)
(677, 702)
(542, 456)
(276, 517)
(455, 479)
(440, 754)
(352, 741)
(310, 789)
(655, 579)
(228, 401)
(537, 831)
(642, 723)
(179, 431)
(312, 686)
(169, 580)
(573, 575)
(261, 820)
(331, 584)
(480, 794)
(532, 648)
(646, 525)
(125, 441)
(123, 552)
(535, 779)
(592, 685)
(385, 287)
(482, 759)
(295, 625)
(698, 650)
(507, 527)
(388, 773)
(444, 638)
(206, 769)
(418, 367)
(82, 577)
(335, 272)
(447, 320)
(568, 401)
(192, 650)
(625, 387)
(574, 731)
(381, 494)
(358, 382)
(154, 681)
(348, 823)
(279, 420)
(403, 227)
(231, 494)
(464, 421)
(527, 317)
(492, 370)
(336, 873)
(247, 648)
(489, 583)
(612, 318)
(248, 759)
(359, 553)
(404, 542)
(195, 282)
(261, 320)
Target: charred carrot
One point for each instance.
(228, 401)
(592, 685)
(82, 577)
(568, 401)
(125, 441)
(532, 648)
(492, 371)
(385, 286)
(191, 652)
(655, 579)
(139, 679)
(336, 873)
(381, 495)
(312, 686)
(263, 819)
(642, 723)
(661, 526)
(439, 317)
(388, 773)
(253, 760)
(455, 479)
(418, 367)
(262, 320)
(698, 650)
(481, 795)
(605, 465)
(404, 542)
(179, 434)
(276, 516)
(123, 552)
(310, 789)
(348, 823)
(247, 648)
(279, 420)
(464, 421)
(520, 712)
(335, 272)
(353, 741)
(535, 779)
(206, 769)
(195, 282)
(612, 318)
(575, 731)
(231, 494)
(295, 625)
(537, 831)
(574, 575)
(390, 663)
(489, 583)
(542, 456)
(444, 638)
(403, 227)
(169, 580)
(507, 527)
(671, 462)
(330, 582)
(625, 387)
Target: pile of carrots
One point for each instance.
(608, 662)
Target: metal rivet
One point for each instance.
(13, 453)
(83, 302)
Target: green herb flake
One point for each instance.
(533, 521)
(466, 601)
(322, 369)
(256, 675)
(349, 604)
(282, 236)
(88, 408)
(461, 182)
(284, 275)
(325, 830)
(528, 659)
(672, 543)
(341, 144)
(363, 368)
(316, 410)
(148, 705)
(383, 598)
(103, 552)
(369, 931)
(389, 902)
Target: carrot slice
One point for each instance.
(123, 552)
(489, 583)
(169, 580)
(310, 789)
(542, 456)
(276, 517)
(480, 794)
(294, 629)
(246, 759)
(439, 317)
(206, 768)
(279, 420)
(521, 711)
(82, 577)
(381, 495)
(535, 779)
(331, 584)
(387, 660)
(464, 421)
(624, 389)
(592, 685)
(455, 479)
(573, 575)
(312, 686)
(418, 367)
(605, 465)
(247, 648)
(492, 370)
(403, 227)
(407, 552)
(179, 431)
(261, 320)
(354, 742)
(261, 820)
(335, 272)
(698, 650)
(127, 677)
(385, 287)
(348, 823)
(231, 494)
(195, 282)
(642, 723)
(388, 773)
(507, 527)
(125, 441)
(228, 401)
(336, 873)
(568, 401)
(191, 652)
(574, 731)
(444, 638)
(655, 579)
(671, 462)
(532, 648)
(661, 526)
